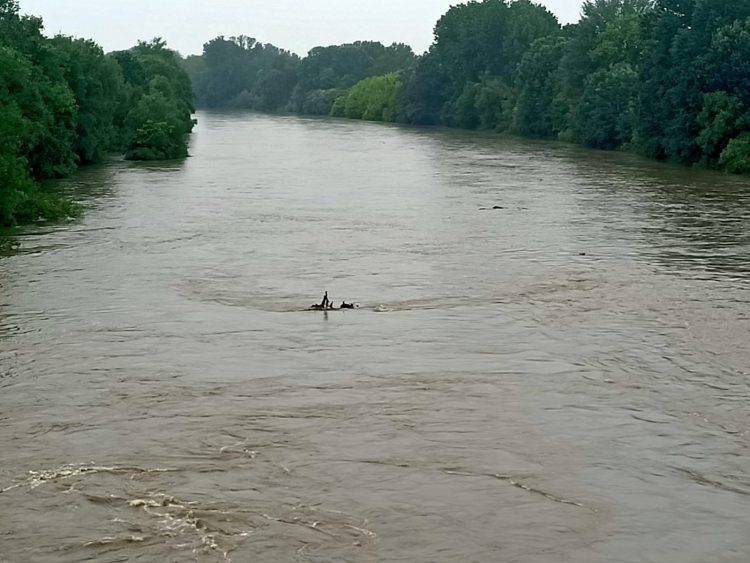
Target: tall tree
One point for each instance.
(97, 84)
(156, 115)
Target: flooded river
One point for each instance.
(563, 379)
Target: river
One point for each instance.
(563, 379)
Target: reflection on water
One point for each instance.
(560, 376)
(693, 222)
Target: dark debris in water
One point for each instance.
(8, 245)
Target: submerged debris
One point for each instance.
(328, 305)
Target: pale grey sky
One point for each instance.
(297, 25)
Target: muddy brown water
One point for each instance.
(563, 379)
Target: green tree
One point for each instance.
(736, 157)
(468, 76)
(723, 117)
(327, 71)
(155, 117)
(241, 72)
(538, 81)
(608, 107)
(602, 57)
(21, 200)
(15, 181)
(727, 61)
(695, 47)
(63, 103)
(426, 93)
(156, 129)
(97, 85)
(374, 98)
(23, 33)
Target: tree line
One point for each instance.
(65, 103)
(240, 72)
(669, 79)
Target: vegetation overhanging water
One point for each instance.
(667, 79)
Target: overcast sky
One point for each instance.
(297, 25)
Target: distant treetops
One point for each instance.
(669, 79)
(63, 103)
(242, 73)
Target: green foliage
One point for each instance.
(727, 60)
(478, 47)
(538, 85)
(22, 201)
(394, 58)
(495, 102)
(608, 106)
(19, 31)
(487, 104)
(97, 85)
(720, 120)
(669, 78)
(240, 72)
(694, 47)
(374, 99)
(47, 113)
(15, 186)
(342, 66)
(489, 37)
(159, 105)
(425, 91)
(36, 121)
(63, 102)
(39, 205)
(317, 102)
(328, 72)
(601, 58)
(462, 111)
(736, 157)
(155, 128)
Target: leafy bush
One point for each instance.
(736, 157)
(157, 131)
(22, 201)
(720, 121)
(64, 102)
(40, 205)
(319, 102)
(374, 99)
(14, 187)
(159, 117)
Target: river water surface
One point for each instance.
(563, 379)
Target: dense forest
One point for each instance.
(669, 79)
(64, 103)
